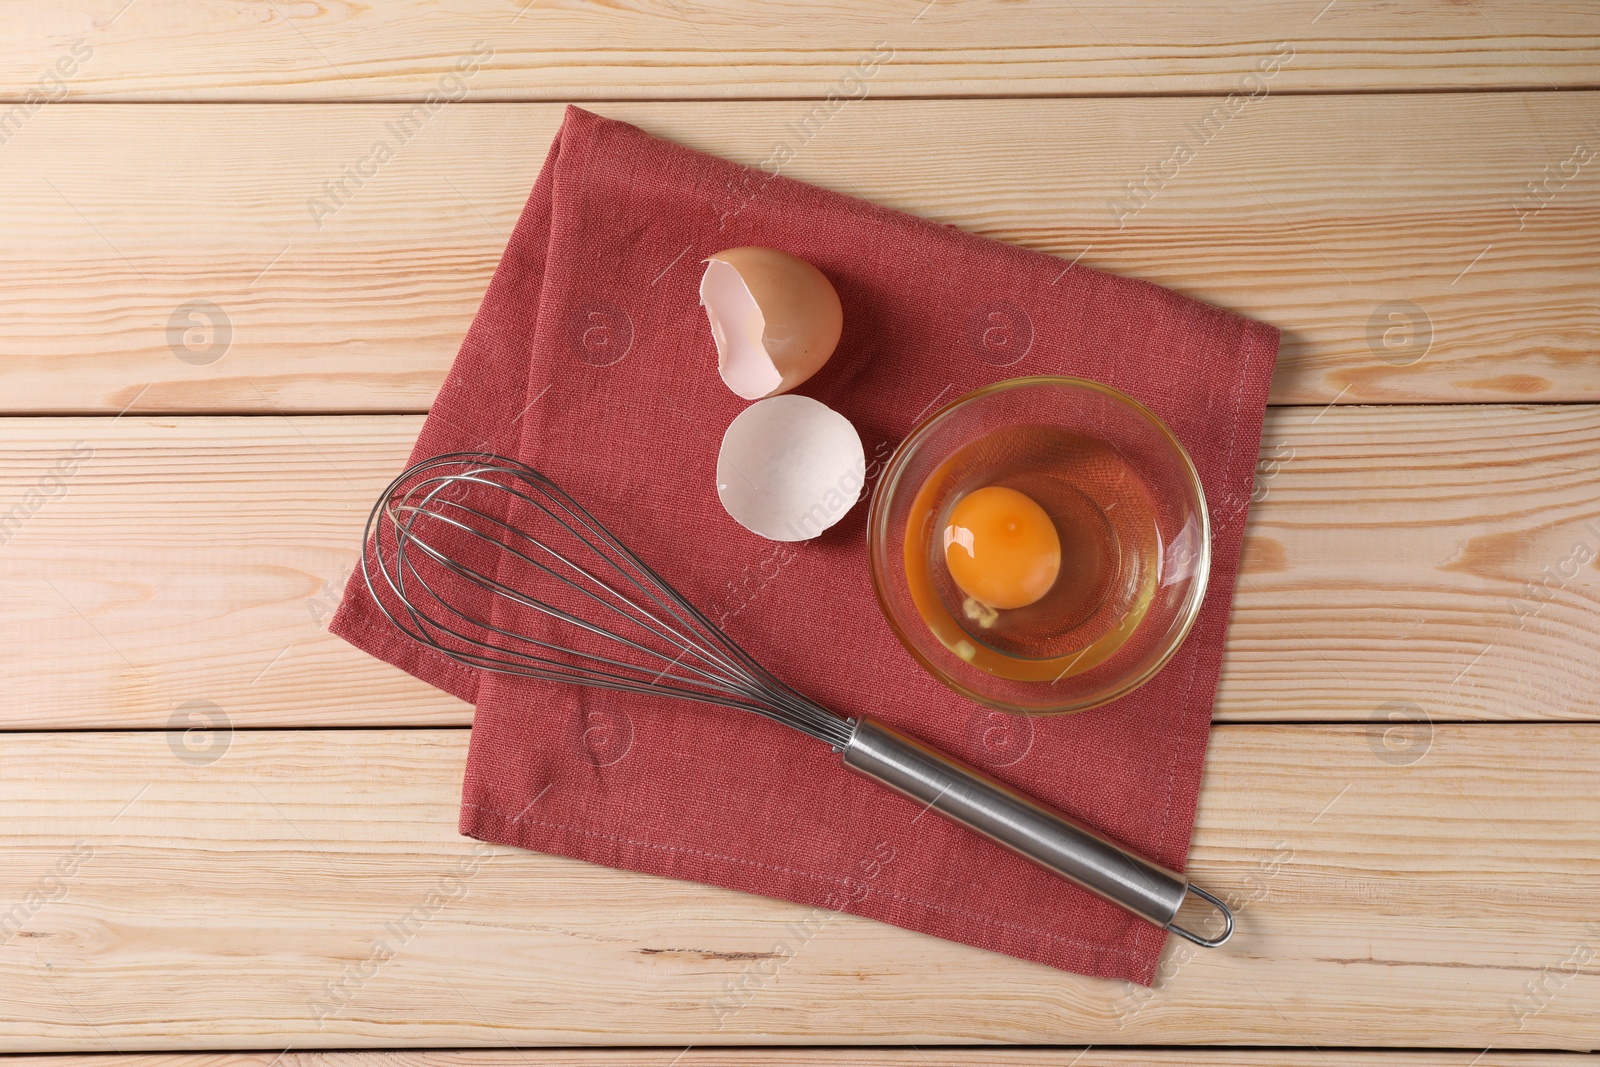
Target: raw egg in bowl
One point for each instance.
(1040, 545)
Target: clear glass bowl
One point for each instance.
(1135, 544)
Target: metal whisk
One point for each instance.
(568, 602)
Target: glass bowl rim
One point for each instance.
(888, 483)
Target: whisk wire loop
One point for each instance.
(493, 585)
(423, 540)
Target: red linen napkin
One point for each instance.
(590, 359)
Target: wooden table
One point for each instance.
(210, 810)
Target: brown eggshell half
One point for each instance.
(775, 319)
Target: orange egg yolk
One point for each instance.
(1001, 548)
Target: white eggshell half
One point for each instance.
(790, 467)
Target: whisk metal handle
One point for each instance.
(1055, 842)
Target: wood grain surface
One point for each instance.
(1426, 563)
(923, 1056)
(235, 894)
(1393, 238)
(676, 49)
(204, 383)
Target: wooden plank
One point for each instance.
(233, 902)
(1432, 563)
(166, 50)
(1391, 237)
(817, 1057)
